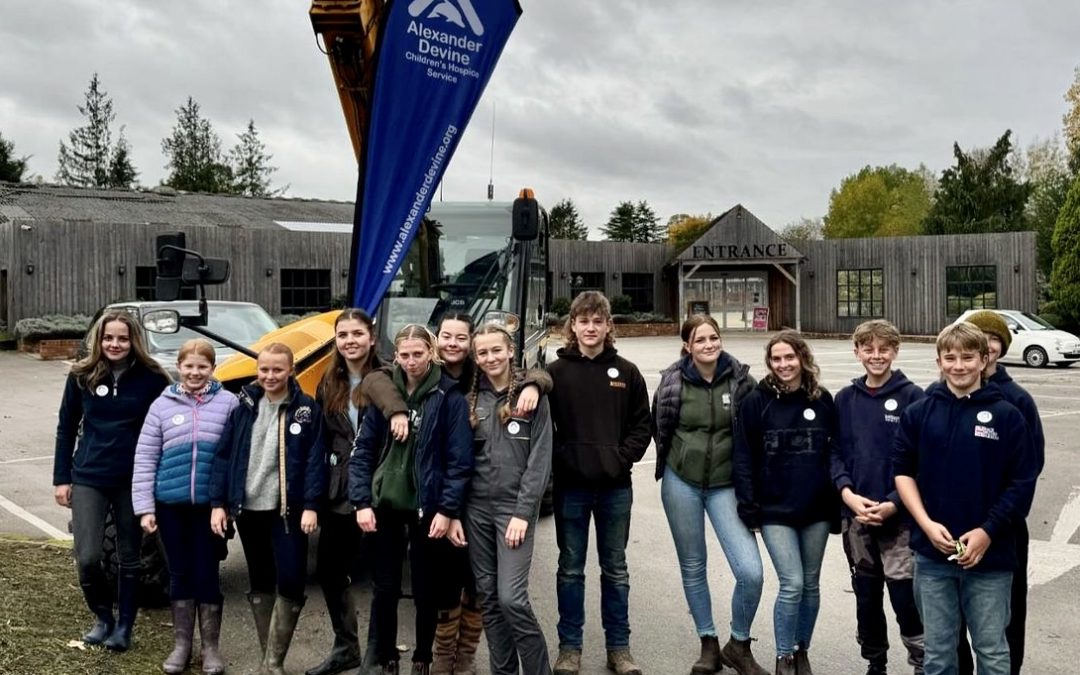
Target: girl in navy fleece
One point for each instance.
(783, 443)
(105, 400)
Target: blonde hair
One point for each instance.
(963, 336)
(876, 329)
(278, 348)
(415, 331)
(474, 390)
(95, 367)
(588, 303)
(199, 347)
(810, 372)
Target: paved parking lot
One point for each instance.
(663, 638)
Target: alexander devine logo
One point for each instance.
(457, 12)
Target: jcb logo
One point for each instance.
(457, 12)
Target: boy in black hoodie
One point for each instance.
(965, 469)
(876, 533)
(600, 411)
(999, 338)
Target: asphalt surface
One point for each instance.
(663, 639)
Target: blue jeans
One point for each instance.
(574, 507)
(946, 593)
(686, 507)
(796, 554)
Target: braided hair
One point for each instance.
(474, 390)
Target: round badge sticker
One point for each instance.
(809, 414)
(101, 390)
(333, 460)
(891, 404)
(612, 373)
(984, 416)
(177, 420)
(294, 428)
(513, 427)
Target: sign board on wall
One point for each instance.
(697, 307)
(761, 318)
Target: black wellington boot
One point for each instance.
(345, 652)
(127, 611)
(99, 602)
(282, 626)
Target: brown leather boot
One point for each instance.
(802, 662)
(785, 665)
(709, 661)
(736, 654)
(469, 631)
(569, 662)
(622, 662)
(446, 640)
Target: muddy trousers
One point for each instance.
(515, 640)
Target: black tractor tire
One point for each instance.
(153, 568)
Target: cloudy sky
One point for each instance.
(692, 105)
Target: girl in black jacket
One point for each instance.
(785, 429)
(105, 400)
(270, 475)
(343, 406)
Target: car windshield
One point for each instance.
(240, 323)
(1031, 322)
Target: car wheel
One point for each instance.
(1035, 357)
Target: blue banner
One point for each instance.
(435, 58)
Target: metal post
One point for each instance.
(798, 298)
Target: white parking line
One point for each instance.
(25, 459)
(40, 524)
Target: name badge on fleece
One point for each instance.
(809, 415)
(101, 390)
(891, 404)
(513, 427)
(294, 428)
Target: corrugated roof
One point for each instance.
(53, 202)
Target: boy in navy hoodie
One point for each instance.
(965, 469)
(876, 530)
(998, 338)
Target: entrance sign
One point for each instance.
(435, 58)
(761, 318)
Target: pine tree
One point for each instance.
(564, 222)
(12, 168)
(193, 151)
(84, 159)
(122, 173)
(1065, 279)
(251, 165)
(620, 224)
(647, 227)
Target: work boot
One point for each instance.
(621, 662)
(709, 661)
(802, 662)
(785, 665)
(736, 654)
(100, 604)
(262, 606)
(446, 641)
(468, 639)
(127, 611)
(183, 619)
(568, 663)
(345, 652)
(210, 634)
(283, 620)
(876, 668)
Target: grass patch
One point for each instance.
(42, 610)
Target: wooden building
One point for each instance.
(67, 250)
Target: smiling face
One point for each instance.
(785, 365)
(116, 341)
(993, 343)
(273, 373)
(414, 357)
(195, 371)
(494, 355)
(453, 340)
(590, 330)
(704, 346)
(876, 356)
(353, 340)
(962, 369)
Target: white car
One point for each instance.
(1035, 342)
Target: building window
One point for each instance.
(860, 293)
(586, 281)
(970, 287)
(639, 286)
(304, 291)
(146, 285)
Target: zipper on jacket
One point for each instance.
(194, 444)
(709, 444)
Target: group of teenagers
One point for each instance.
(442, 459)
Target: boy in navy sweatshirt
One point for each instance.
(965, 469)
(876, 531)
